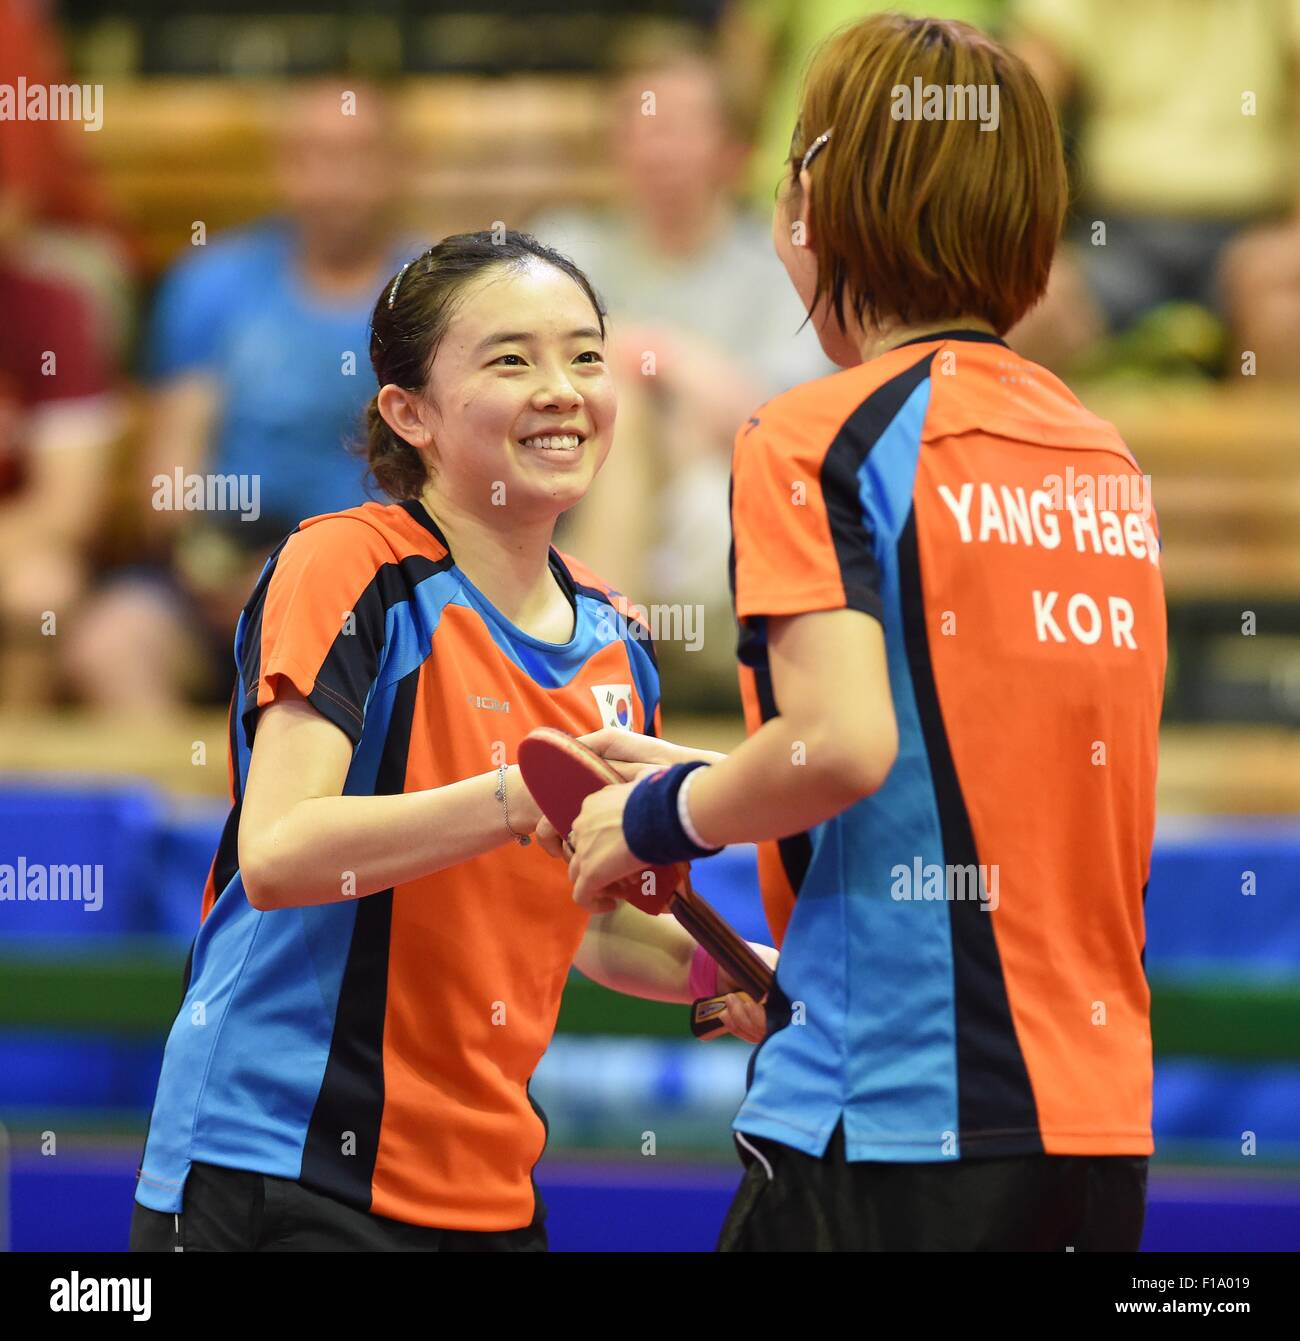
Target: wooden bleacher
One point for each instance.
(176, 150)
(1225, 469)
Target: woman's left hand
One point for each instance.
(744, 1017)
(601, 858)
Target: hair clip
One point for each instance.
(392, 293)
(815, 148)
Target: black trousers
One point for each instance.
(792, 1202)
(231, 1210)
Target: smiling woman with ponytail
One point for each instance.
(382, 948)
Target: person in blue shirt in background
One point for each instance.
(257, 360)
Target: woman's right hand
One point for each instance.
(629, 747)
(551, 842)
(556, 845)
(632, 755)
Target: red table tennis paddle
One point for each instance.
(561, 773)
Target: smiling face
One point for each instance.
(518, 412)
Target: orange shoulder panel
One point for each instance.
(319, 577)
(785, 555)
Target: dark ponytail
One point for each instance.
(397, 467)
(409, 321)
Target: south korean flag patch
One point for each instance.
(614, 702)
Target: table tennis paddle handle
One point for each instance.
(706, 1017)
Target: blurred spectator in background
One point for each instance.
(70, 233)
(1186, 114)
(767, 44)
(703, 330)
(259, 371)
(58, 420)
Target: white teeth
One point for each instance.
(559, 442)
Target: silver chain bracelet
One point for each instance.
(522, 839)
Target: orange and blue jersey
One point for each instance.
(961, 967)
(379, 1049)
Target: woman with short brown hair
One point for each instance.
(952, 666)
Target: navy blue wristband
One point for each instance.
(651, 826)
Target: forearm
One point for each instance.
(64, 497)
(688, 754)
(823, 753)
(183, 414)
(783, 780)
(633, 747)
(631, 952)
(330, 848)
